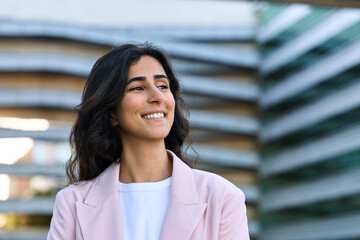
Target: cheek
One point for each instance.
(127, 110)
(171, 107)
(131, 105)
(170, 102)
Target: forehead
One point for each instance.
(146, 65)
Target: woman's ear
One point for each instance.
(113, 118)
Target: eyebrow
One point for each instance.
(157, 76)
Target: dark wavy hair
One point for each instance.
(94, 140)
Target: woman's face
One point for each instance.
(147, 108)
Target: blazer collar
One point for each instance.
(183, 183)
(100, 215)
(183, 213)
(104, 186)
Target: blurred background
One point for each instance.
(273, 90)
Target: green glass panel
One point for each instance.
(321, 129)
(321, 90)
(311, 212)
(337, 164)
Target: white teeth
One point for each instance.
(154, 115)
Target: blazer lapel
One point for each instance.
(184, 211)
(99, 215)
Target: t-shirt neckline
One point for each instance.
(144, 186)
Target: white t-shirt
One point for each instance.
(143, 208)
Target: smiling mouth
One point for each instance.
(154, 115)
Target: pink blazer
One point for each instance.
(202, 206)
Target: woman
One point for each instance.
(128, 177)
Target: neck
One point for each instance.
(144, 162)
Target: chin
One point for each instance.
(158, 136)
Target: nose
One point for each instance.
(155, 95)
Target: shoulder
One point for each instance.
(214, 186)
(75, 192)
(225, 204)
(63, 222)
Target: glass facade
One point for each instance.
(311, 116)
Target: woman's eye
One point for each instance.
(163, 86)
(136, 88)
